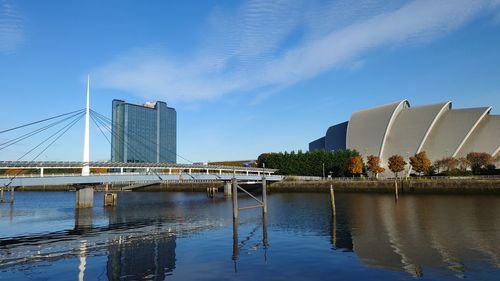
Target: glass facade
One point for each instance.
(143, 133)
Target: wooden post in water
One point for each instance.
(396, 190)
(264, 230)
(264, 196)
(332, 200)
(1, 195)
(235, 197)
(12, 195)
(235, 241)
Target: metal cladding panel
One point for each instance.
(335, 138)
(484, 138)
(318, 144)
(409, 129)
(450, 130)
(367, 128)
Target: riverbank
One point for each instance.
(416, 186)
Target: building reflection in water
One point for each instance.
(140, 259)
(419, 232)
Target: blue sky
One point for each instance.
(245, 77)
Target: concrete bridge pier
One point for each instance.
(85, 197)
(227, 189)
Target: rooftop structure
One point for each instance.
(398, 128)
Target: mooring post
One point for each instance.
(235, 241)
(264, 230)
(1, 195)
(264, 195)
(235, 197)
(334, 232)
(12, 195)
(332, 201)
(396, 189)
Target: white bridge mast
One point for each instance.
(86, 138)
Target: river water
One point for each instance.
(187, 236)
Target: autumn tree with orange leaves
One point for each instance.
(374, 165)
(355, 166)
(420, 163)
(396, 164)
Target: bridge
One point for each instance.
(112, 172)
(85, 174)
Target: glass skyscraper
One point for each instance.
(143, 133)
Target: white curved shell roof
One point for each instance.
(367, 129)
(451, 130)
(411, 128)
(485, 137)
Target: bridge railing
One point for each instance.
(37, 175)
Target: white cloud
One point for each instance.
(11, 28)
(266, 46)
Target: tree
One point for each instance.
(448, 164)
(463, 164)
(479, 160)
(374, 165)
(355, 166)
(420, 162)
(396, 164)
(308, 163)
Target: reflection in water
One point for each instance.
(83, 260)
(83, 219)
(141, 259)
(417, 232)
(153, 235)
(237, 244)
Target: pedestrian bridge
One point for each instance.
(19, 173)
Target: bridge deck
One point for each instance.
(126, 178)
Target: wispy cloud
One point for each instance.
(265, 46)
(11, 28)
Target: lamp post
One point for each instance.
(323, 170)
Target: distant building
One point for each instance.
(143, 133)
(397, 128)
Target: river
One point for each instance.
(188, 236)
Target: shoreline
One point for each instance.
(409, 186)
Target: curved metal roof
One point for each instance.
(411, 128)
(368, 129)
(451, 131)
(485, 137)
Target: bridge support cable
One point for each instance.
(40, 121)
(70, 124)
(39, 130)
(57, 136)
(107, 120)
